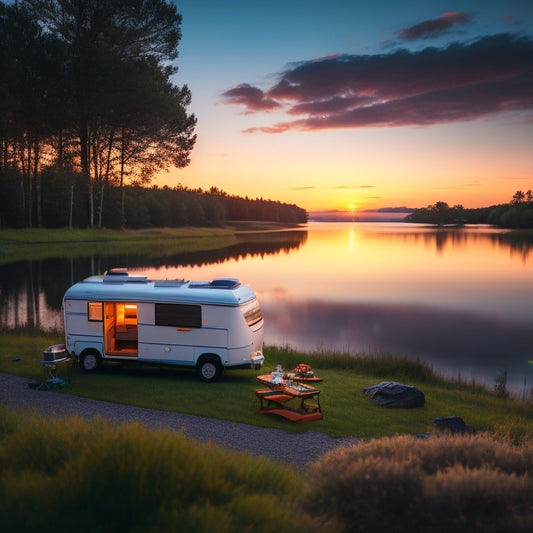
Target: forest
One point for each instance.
(517, 214)
(90, 114)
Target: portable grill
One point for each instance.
(55, 354)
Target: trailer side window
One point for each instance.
(95, 311)
(178, 315)
(252, 312)
(253, 315)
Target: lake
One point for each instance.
(459, 299)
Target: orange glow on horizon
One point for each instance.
(389, 168)
(388, 193)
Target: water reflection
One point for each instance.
(455, 343)
(469, 269)
(31, 291)
(440, 239)
(261, 245)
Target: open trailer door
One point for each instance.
(120, 328)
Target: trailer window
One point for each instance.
(252, 314)
(95, 311)
(178, 315)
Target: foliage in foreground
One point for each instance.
(468, 483)
(65, 475)
(73, 475)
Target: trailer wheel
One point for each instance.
(209, 369)
(90, 361)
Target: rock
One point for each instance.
(391, 394)
(453, 425)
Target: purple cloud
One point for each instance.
(434, 27)
(461, 82)
(252, 98)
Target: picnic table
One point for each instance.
(276, 396)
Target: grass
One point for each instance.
(72, 474)
(35, 244)
(347, 411)
(47, 236)
(83, 476)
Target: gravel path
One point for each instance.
(284, 446)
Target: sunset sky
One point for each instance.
(346, 106)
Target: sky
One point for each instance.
(346, 107)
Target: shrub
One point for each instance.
(74, 475)
(444, 483)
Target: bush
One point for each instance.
(73, 475)
(445, 483)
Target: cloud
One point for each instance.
(252, 98)
(402, 209)
(434, 27)
(352, 187)
(460, 82)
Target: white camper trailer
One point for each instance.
(207, 325)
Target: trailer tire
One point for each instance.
(209, 368)
(90, 361)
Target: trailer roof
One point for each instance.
(118, 285)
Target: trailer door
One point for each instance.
(120, 328)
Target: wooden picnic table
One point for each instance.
(274, 400)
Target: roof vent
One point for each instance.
(121, 275)
(116, 272)
(225, 283)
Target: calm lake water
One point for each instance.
(459, 299)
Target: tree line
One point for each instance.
(89, 114)
(518, 213)
(136, 206)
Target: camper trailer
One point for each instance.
(207, 325)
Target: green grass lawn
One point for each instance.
(41, 235)
(347, 410)
(35, 244)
